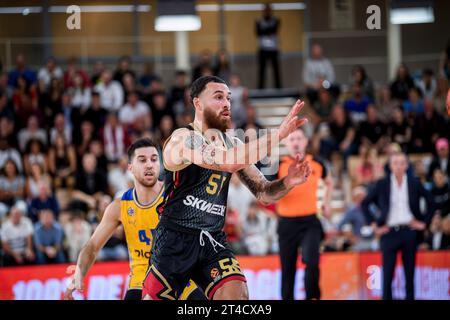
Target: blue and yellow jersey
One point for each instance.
(139, 222)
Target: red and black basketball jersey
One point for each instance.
(195, 198)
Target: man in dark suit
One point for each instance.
(397, 197)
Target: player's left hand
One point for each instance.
(298, 171)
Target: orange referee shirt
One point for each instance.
(302, 199)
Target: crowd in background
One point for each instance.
(64, 133)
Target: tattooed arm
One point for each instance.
(272, 191)
(187, 146)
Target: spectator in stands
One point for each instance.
(135, 110)
(115, 248)
(6, 108)
(73, 69)
(90, 181)
(123, 68)
(44, 201)
(428, 127)
(17, 237)
(97, 71)
(372, 131)
(25, 101)
(72, 117)
(439, 236)
(360, 77)
(222, 68)
(119, 178)
(441, 160)
(414, 104)
(386, 104)
(36, 177)
(267, 28)
(401, 218)
(7, 133)
(88, 134)
(342, 134)
(21, 70)
(203, 65)
(427, 84)
(12, 184)
(129, 86)
(32, 131)
(81, 93)
(34, 153)
(357, 104)
(78, 232)
(160, 108)
(442, 98)
(254, 231)
(50, 71)
(239, 100)
(62, 163)
(399, 130)
(402, 84)
(362, 240)
(96, 113)
(444, 63)
(48, 239)
(96, 148)
(165, 129)
(9, 153)
(370, 168)
(233, 230)
(176, 98)
(5, 88)
(111, 92)
(318, 72)
(60, 128)
(323, 106)
(251, 121)
(115, 138)
(441, 192)
(146, 79)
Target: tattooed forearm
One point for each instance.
(266, 191)
(276, 189)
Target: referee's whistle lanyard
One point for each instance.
(214, 243)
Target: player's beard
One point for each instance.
(216, 122)
(145, 183)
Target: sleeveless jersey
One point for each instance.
(139, 222)
(195, 198)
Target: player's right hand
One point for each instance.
(76, 283)
(291, 122)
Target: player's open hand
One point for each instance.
(291, 122)
(298, 171)
(76, 283)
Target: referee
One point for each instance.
(298, 224)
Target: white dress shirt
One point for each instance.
(399, 210)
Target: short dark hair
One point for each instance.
(140, 143)
(199, 85)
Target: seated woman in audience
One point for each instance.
(35, 153)
(36, 176)
(62, 163)
(370, 169)
(12, 184)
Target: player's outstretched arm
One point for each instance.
(271, 191)
(187, 146)
(110, 221)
